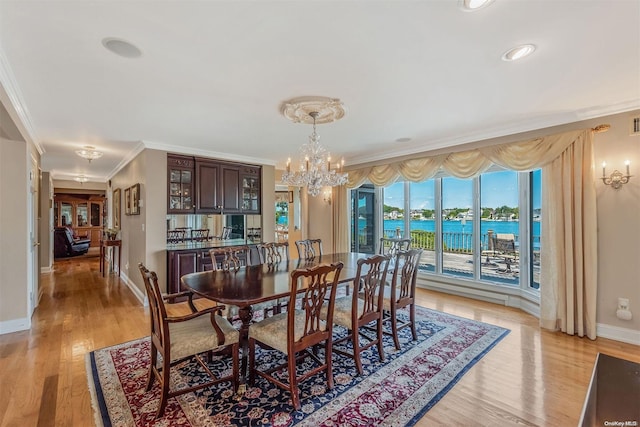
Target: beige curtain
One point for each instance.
(568, 287)
(568, 279)
(340, 203)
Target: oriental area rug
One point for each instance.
(396, 392)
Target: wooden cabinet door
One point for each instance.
(230, 188)
(251, 190)
(180, 263)
(180, 171)
(207, 187)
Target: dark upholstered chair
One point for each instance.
(66, 246)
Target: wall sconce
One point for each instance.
(327, 196)
(616, 179)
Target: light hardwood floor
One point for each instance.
(532, 377)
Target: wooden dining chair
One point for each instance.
(273, 252)
(297, 330)
(402, 293)
(175, 236)
(363, 308)
(200, 235)
(391, 246)
(308, 249)
(230, 258)
(179, 337)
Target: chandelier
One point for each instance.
(315, 162)
(89, 153)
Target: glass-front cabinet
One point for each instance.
(83, 214)
(250, 190)
(181, 172)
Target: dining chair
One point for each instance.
(200, 235)
(363, 308)
(402, 293)
(308, 249)
(391, 246)
(175, 236)
(179, 337)
(271, 254)
(297, 330)
(230, 258)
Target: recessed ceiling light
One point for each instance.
(121, 47)
(403, 139)
(518, 52)
(473, 5)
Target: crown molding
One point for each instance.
(528, 125)
(18, 110)
(126, 159)
(178, 149)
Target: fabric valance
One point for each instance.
(518, 156)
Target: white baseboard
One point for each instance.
(630, 336)
(14, 325)
(137, 292)
(47, 269)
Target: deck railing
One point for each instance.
(453, 242)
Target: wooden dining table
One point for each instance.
(254, 284)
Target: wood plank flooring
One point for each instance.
(531, 378)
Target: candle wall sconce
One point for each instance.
(616, 179)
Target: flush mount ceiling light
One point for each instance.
(473, 5)
(121, 47)
(81, 179)
(89, 153)
(518, 52)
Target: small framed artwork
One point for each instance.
(127, 201)
(116, 208)
(135, 199)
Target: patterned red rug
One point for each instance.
(397, 392)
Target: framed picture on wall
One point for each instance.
(135, 199)
(127, 201)
(116, 208)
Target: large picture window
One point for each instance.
(483, 230)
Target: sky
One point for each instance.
(497, 189)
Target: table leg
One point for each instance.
(246, 315)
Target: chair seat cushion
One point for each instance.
(272, 331)
(197, 335)
(342, 311)
(386, 303)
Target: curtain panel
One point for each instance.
(569, 237)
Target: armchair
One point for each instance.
(66, 246)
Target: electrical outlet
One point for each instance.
(623, 303)
(126, 266)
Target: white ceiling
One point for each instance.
(213, 74)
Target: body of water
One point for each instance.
(458, 226)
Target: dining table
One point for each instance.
(254, 284)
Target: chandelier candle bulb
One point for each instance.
(289, 164)
(626, 162)
(604, 164)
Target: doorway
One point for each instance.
(363, 220)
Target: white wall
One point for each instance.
(14, 236)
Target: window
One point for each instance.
(484, 230)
